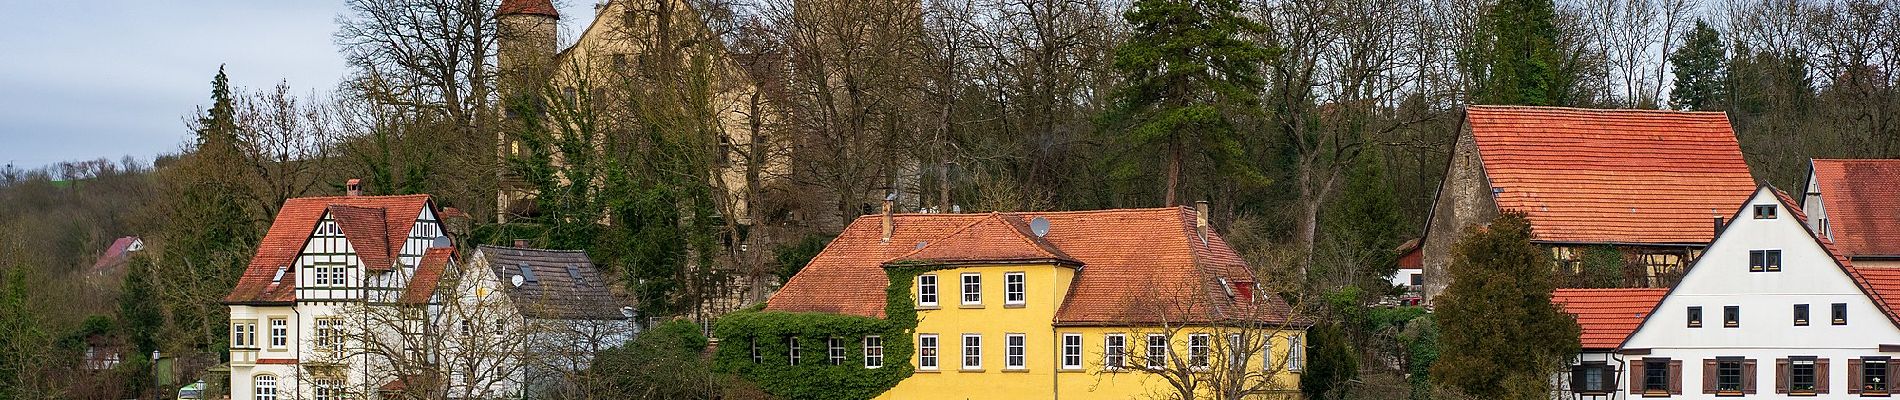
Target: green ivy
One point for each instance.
(814, 377)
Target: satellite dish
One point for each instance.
(442, 241)
(922, 244)
(517, 280)
(1039, 226)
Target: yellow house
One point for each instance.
(1108, 304)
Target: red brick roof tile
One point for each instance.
(536, 7)
(429, 273)
(992, 239)
(1607, 316)
(295, 221)
(1612, 176)
(368, 232)
(1131, 258)
(1862, 202)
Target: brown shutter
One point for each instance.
(1708, 376)
(1675, 376)
(1781, 375)
(1749, 376)
(1636, 376)
(1853, 376)
(1820, 376)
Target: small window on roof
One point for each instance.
(574, 272)
(527, 273)
(1764, 211)
(280, 274)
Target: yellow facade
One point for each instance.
(993, 319)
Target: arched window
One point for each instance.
(264, 387)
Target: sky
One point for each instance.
(87, 79)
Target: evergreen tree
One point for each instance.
(1701, 67)
(1365, 221)
(1332, 363)
(204, 252)
(1188, 70)
(1516, 59)
(22, 335)
(1502, 338)
(138, 312)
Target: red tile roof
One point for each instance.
(1612, 176)
(1607, 316)
(1131, 258)
(428, 273)
(1881, 285)
(1862, 202)
(368, 231)
(115, 255)
(536, 7)
(295, 221)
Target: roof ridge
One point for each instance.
(1594, 110)
(499, 247)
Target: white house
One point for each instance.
(549, 312)
(290, 311)
(1768, 311)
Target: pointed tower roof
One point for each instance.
(533, 7)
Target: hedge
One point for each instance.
(814, 377)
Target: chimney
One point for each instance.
(522, 243)
(889, 226)
(1200, 220)
(354, 187)
(1719, 225)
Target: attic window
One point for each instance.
(527, 273)
(575, 273)
(1765, 211)
(279, 277)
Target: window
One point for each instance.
(1695, 316)
(1728, 375)
(1873, 375)
(791, 350)
(1656, 376)
(1418, 279)
(756, 357)
(1731, 316)
(1293, 353)
(1015, 353)
(1764, 260)
(927, 352)
(501, 325)
(264, 387)
(1590, 378)
(1764, 211)
(330, 274)
(1157, 351)
(835, 349)
(1071, 351)
(972, 351)
(1800, 315)
(1114, 348)
(279, 332)
(1801, 375)
(1197, 350)
(873, 352)
(327, 389)
(972, 289)
(244, 334)
(1236, 351)
(467, 327)
(1840, 313)
(1013, 289)
(927, 290)
(330, 334)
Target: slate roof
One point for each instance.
(1612, 176)
(1607, 316)
(536, 7)
(1130, 259)
(1862, 202)
(429, 272)
(298, 218)
(555, 293)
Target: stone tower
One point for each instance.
(525, 34)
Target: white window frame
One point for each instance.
(1015, 288)
(1015, 351)
(264, 387)
(1071, 351)
(1236, 350)
(791, 350)
(873, 352)
(1198, 353)
(1266, 353)
(972, 346)
(927, 344)
(1114, 355)
(244, 334)
(971, 291)
(834, 350)
(927, 290)
(1294, 352)
(330, 334)
(327, 389)
(279, 333)
(1150, 358)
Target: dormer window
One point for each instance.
(1765, 211)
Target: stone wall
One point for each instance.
(1464, 199)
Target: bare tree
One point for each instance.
(1219, 340)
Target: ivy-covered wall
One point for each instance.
(815, 377)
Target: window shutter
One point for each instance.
(1781, 375)
(1820, 376)
(1636, 376)
(1675, 376)
(1708, 376)
(1853, 376)
(1891, 373)
(1749, 376)
(1576, 378)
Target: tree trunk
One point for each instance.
(1174, 172)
